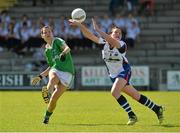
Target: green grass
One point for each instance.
(85, 111)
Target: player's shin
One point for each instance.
(156, 108)
(46, 117)
(125, 105)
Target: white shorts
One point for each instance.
(66, 78)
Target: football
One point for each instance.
(78, 14)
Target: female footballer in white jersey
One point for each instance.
(60, 70)
(113, 53)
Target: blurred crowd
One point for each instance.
(19, 35)
(137, 7)
(24, 34)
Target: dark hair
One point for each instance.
(25, 24)
(114, 27)
(46, 27)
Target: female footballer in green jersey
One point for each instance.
(60, 70)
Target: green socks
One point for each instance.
(48, 114)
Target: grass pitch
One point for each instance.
(85, 111)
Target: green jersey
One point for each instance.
(52, 56)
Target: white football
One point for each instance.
(78, 14)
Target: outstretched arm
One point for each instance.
(113, 42)
(85, 31)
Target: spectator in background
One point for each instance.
(132, 6)
(24, 32)
(113, 5)
(106, 22)
(3, 34)
(13, 39)
(131, 33)
(34, 30)
(129, 5)
(129, 19)
(119, 21)
(74, 38)
(146, 7)
(4, 22)
(41, 22)
(34, 40)
(51, 23)
(4, 17)
(25, 19)
(22, 22)
(62, 28)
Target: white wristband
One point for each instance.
(101, 41)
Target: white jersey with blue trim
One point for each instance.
(114, 58)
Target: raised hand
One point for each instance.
(95, 26)
(74, 22)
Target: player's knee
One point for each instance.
(136, 96)
(115, 93)
(56, 95)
